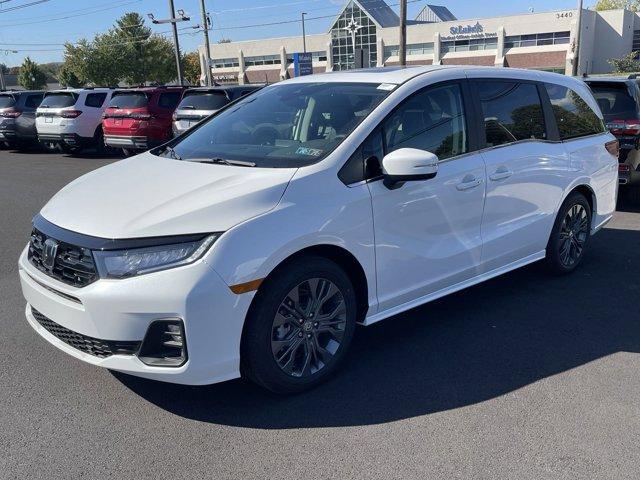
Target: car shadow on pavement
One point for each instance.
(466, 348)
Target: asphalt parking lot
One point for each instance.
(526, 376)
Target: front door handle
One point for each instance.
(500, 174)
(468, 184)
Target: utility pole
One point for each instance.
(304, 37)
(576, 53)
(402, 49)
(207, 47)
(3, 85)
(173, 20)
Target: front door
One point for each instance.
(428, 233)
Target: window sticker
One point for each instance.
(313, 152)
(386, 86)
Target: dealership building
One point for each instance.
(365, 34)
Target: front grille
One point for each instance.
(71, 264)
(92, 346)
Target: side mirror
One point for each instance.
(407, 164)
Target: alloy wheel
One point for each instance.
(574, 232)
(309, 327)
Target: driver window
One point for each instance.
(432, 120)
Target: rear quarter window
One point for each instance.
(573, 115)
(33, 101)
(169, 99)
(95, 100)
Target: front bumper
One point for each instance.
(123, 310)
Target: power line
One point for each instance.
(24, 5)
(6, 25)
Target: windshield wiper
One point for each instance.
(172, 153)
(224, 161)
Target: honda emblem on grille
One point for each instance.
(49, 252)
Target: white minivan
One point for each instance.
(253, 244)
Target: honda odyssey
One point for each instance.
(255, 242)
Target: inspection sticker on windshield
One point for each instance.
(386, 86)
(313, 152)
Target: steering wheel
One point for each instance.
(265, 135)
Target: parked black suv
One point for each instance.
(619, 100)
(18, 117)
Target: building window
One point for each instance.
(342, 40)
(636, 43)
(412, 49)
(262, 60)
(537, 39)
(470, 45)
(225, 62)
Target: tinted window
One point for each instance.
(511, 111)
(615, 100)
(283, 125)
(573, 116)
(59, 100)
(95, 100)
(432, 120)
(169, 99)
(7, 101)
(128, 100)
(204, 100)
(33, 101)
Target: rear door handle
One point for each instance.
(500, 174)
(469, 184)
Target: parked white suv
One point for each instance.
(71, 119)
(254, 243)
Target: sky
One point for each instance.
(40, 29)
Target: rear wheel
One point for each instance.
(300, 326)
(570, 235)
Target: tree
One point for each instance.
(128, 52)
(4, 68)
(31, 76)
(68, 78)
(626, 64)
(633, 5)
(191, 63)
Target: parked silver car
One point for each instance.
(18, 117)
(199, 103)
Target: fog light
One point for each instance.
(164, 345)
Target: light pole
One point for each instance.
(173, 20)
(304, 37)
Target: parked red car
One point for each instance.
(140, 118)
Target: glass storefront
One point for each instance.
(353, 19)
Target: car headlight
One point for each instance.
(138, 261)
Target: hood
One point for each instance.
(148, 196)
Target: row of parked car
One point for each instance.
(132, 119)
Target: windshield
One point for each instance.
(128, 100)
(204, 100)
(615, 101)
(7, 101)
(59, 100)
(284, 125)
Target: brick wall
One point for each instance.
(487, 61)
(536, 60)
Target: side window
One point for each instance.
(365, 161)
(574, 116)
(511, 112)
(169, 99)
(33, 101)
(95, 100)
(432, 120)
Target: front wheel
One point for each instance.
(570, 235)
(299, 326)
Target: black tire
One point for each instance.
(577, 238)
(632, 194)
(258, 360)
